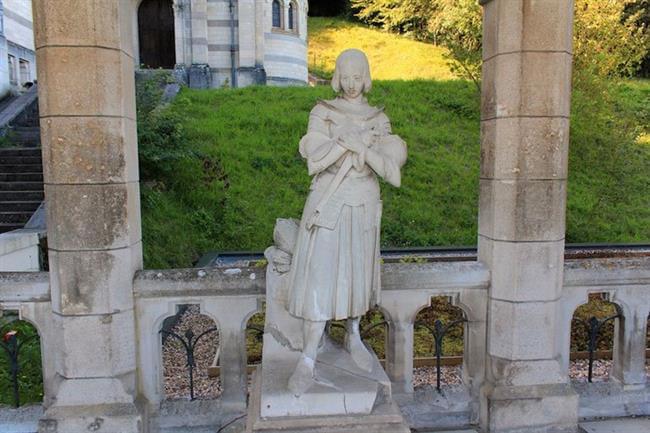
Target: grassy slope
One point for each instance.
(391, 57)
(250, 172)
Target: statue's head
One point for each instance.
(352, 74)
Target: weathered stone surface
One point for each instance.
(526, 373)
(94, 282)
(611, 400)
(87, 92)
(515, 84)
(629, 366)
(630, 425)
(353, 392)
(522, 210)
(95, 346)
(122, 418)
(386, 418)
(524, 271)
(515, 330)
(89, 23)
(89, 150)
(542, 408)
(84, 81)
(527, 25)
(93, 217)
(525, 148)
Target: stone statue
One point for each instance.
(326, 267)
(335, 269)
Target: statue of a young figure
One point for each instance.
(335, 269)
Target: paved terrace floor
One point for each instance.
(27, 423)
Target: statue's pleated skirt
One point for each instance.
(335, 273)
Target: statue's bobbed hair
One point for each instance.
(353, 56)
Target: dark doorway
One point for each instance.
(156, 34)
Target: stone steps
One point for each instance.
(21, 178)
(19, 206)
(21, 195)
(21, 186)
(27, 136)
(20, 151)
(20, 168)
(15, 217)
(20, 160)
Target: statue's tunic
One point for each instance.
(335, 268)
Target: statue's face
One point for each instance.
(351, 79)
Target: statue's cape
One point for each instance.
(363, 111)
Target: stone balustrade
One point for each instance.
(230, 296)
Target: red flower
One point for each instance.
(9, 335)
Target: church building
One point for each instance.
(219, 43)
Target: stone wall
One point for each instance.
(262, 53)
(17, 40)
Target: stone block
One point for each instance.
(544, 408)
(522, 331)
(86, 81)
(525, 148)
(93, 217)
(524, 271)
(528, 25)
(98, 23)
(93, 282)
(526, 373)
(98, 346)
(200, 77)
(107, 418)
(526, 84)
(89, 150)
(522, 210)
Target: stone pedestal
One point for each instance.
(385, 417)
(343, 398)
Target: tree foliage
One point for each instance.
(611, 37)
(608, 40)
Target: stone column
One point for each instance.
(246, 33)
(399, 354)
(527, 55)
(630, 346)
(199, 25)
(87, 108)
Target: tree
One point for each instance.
(607, 41)
(611, 37)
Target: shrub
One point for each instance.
(160, 142)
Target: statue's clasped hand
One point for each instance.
(358, 141)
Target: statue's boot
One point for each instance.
(359, 352)
(303, 376)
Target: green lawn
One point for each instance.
(391, 57)
(249, 172)
(244, 170)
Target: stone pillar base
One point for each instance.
(109, 418)
(532, 409)
(199, 76)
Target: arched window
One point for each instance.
(277, 14)
(292, 16)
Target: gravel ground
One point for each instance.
(177, 382)
(579, 370)
(449, 375)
